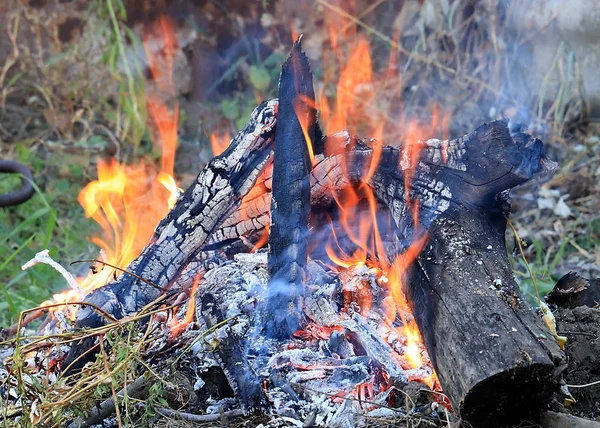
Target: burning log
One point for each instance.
(179, 238)
(495, 360)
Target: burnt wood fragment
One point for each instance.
(290, 204)
(572, 290)
(495, 360)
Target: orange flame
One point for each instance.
(127, 201)
(219, 142)
(126, 206)
(354, 88)
(161, 66)
(359, 218)
(169, 183)
(166, 127)
(176, 326)
(304, 124)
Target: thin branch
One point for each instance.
(585, 385)
(136, 276)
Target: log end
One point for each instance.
(510, 397)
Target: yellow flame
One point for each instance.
(127, 201)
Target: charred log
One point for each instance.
(495, 360)
(231, 350)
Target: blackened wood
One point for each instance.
(495, 360)
(224, 311)
(242, 230)
(572, 290)
(231, 351)
(180, 236)
(290, 205)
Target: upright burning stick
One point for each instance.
(290, 205)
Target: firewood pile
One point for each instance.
(298, 332)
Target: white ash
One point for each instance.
(384, 412)
(437, 196)
(297, 377)
(252, 258)
(346, 416)
(317, 369)
(199, 384)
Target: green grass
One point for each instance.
(130, 112)
(543, 262)
(40, 223)
(547, 258)
(53, 219)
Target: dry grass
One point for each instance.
(51, 399)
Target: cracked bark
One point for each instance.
(180, 236)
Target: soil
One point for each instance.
(581, 325)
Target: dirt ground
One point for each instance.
(582, 327)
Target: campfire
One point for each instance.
(320, 277)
